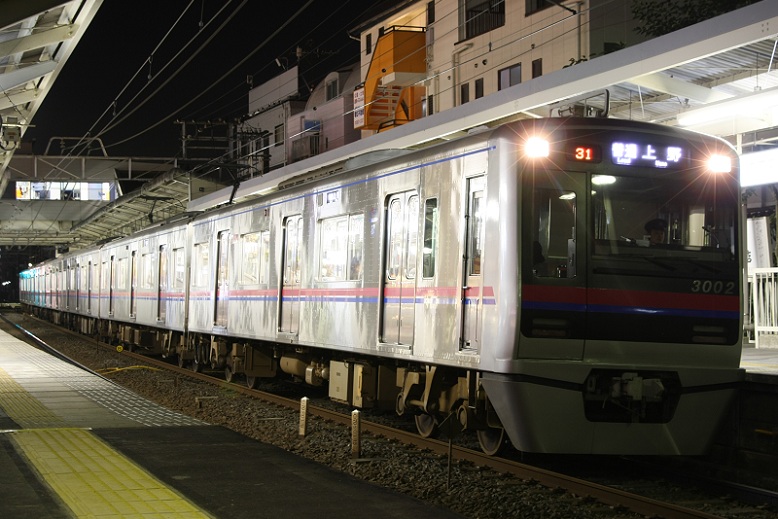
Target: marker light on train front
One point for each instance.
(719, 164)
(535, 147)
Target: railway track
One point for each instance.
(608, 495)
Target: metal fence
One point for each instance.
(764, 306)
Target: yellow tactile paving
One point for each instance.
(96, 481)
(91, 478)
(23, 408)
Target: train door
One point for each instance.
(399, 287)
(222, 279)
(553, 316)
(472, 297)
(292, 275)
(162, 284)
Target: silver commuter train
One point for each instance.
(510, 278)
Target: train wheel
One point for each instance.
(491, 440)
(228, 374)
(251, 382)
(181, 361)
(426, 425)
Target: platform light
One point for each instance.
(719, 164)
(757, 104)
(536, 147)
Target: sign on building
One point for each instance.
(359, 108)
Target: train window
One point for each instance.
(340, 254)
(122, 271)
(413, 237)
(179, 263)
(475, 232)
(256, 256)
(105, 277)
(249, 272)
(334, 240)
(356, 246)
(553, 232)
(430, 237)
(200, 267)
(663, 216)
(147, 271)
(294, 242)
(395, 225)
(264, 257)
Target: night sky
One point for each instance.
(123, 36)
(117, 46)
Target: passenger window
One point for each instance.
(201, 265)
(475, 232)
(430, 237)
(256, 254)
(341, 250)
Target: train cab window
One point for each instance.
(659, 224)
(430, 237)
(552, 241)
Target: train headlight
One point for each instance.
(719, 164)
(536, 147)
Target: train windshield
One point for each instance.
(664, 225)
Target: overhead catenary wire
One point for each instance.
(213, 84)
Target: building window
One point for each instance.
(537, 68)
(279, 134)
(509, 76)
(368, 44)
(479, 88)
(479, 17)
(332, 89)
(533, 6)
(464, 93)
(430, 12)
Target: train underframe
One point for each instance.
(438, 397)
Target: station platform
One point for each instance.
(761, 362)
(73, 444)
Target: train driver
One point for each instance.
(655, 229)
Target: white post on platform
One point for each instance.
(303, 417)
(356, 434)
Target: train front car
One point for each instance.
(625, 335)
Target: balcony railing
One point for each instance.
(305, 146)
(482, 18)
